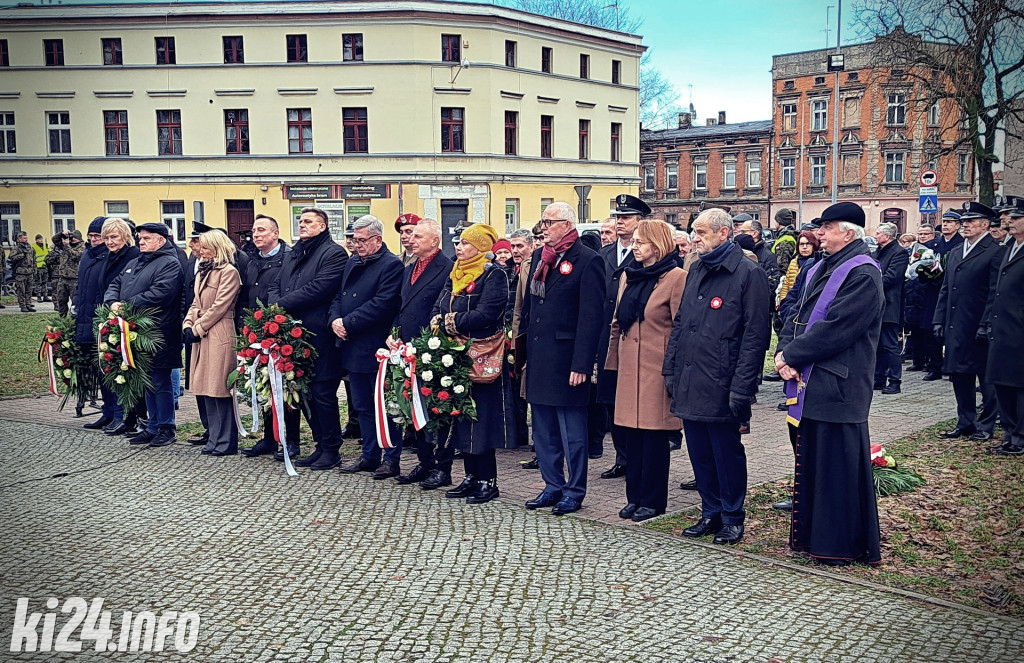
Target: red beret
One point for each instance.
(501, 244)
(407, 220)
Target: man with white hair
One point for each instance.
(714, 357)
(893, 261)
(826, 352)
(561, 319)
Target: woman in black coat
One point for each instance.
(472, 304)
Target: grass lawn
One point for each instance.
(957, 538)
(20, 369)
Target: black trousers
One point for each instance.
(1011, 409)
(720, 468)
(927, 352)
(291, 426)
(325, 420)
(433, 456)
(967, 414)
(220, 417)
(483, 466)
(888, 357)
(647, 472)
(598, 421)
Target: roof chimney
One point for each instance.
(685, 120)
(721, 117)
(711, 122)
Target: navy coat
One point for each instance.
(1006, 323)
(714, 350)
(309, 278)
(367, 301)
(155, 280)
(842, 345)
(965, 302)
(606, 380)
(259, 274)
(564, 327)
(418, 298)
(893, 261)
(89, 293)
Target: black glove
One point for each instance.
(982, 333)
(668, 386)
(187, 336)
(937, 331)
(739, 405)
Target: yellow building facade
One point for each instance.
(222, 111)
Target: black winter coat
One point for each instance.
(1006, 323)
(769, 262)
(309, 278)
(259, 274)
(606, 380)
(842, 345)
(89, 293)
(155, 280)
(920, 296)
(719, 338)
(564, 327)
(965, 303)
(367, 301)
(893, 260)
(418, 298)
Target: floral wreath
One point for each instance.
(126, 342)
(68, 364)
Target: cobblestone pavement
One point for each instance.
(327, 567)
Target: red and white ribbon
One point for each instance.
(380, 408)
(417, 405)
(126, 347)
(277, 413)
(51, 381)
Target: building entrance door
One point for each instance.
(454, 212)
(240, 217)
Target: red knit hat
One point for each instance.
(407, 220)
(501, 244)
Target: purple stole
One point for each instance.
(795, 388)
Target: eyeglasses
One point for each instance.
(547, 223)
(805, 244)
(367, 240)
(637, 242)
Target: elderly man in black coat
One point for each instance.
(892, 261)
(961, 319)
(155, 280)
(88, 295)
(1005, 369)
(309, 278)
(562, 321)
(826, 351)
(361, 316)
(422, 283)
(714, 357)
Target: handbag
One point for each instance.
(488, 355)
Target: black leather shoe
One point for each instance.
(689, 485)
(310, 459)
(163, 438)
(135, 429)
(145, 437)
(418, 473)
(1008, 449)
(351, 432)
(595, 455)
(772, 377)
(729, 534)
(218, 454)
(360, 465)
(116, 428)
(627, 511)
(437, 479)
(464, 489)
(702, 527)
(675, 445)
(566, 505)
(206, 452)
(931, 377)
(485, 492)
(386, 470)
(891, 388)
(328, 459)
(614, 472)
(784, 505)
(645, 513)
(544, 500)
(100, 423)
(957, 432)
(293, 452)
(981, 437)
(831, 562)
(531, 464)
(261, 448)
(201, 440)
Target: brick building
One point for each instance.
(690, 168)
(888, 134)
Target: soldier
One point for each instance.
(66, 271)
(23, 266)
(42, 271)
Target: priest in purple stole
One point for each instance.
(826, 353)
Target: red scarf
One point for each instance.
(548, 256)
(421, 266)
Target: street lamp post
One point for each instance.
(835, 63)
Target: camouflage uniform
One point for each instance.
(23, 265)
(66, 271)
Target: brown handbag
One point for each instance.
(488, 355)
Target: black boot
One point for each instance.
(485, 492)
(293, 452)
(464, 489)
(102, 422)
(310, 459)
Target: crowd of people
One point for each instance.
(644, 331)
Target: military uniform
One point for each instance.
(65, 271)
(42, 272)
(23, 266)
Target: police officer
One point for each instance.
(1005, 369)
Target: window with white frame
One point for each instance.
(117, 208)
(819, 115)
(672, 176)
(649, 179)
(700, 176)
(729, 175)
(544, 202)
(789, 171)
(788, 117)
(511, 215)
(896, 109)
(8, 142)
(934, 114)
(58, 129)
(818, 167)
(962, 159)
(172, 213)
(753, 174)
(10, 223)
(63, 217)
(895, 167)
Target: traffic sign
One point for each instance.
(928, 204)
(929, 178)
(928, 191)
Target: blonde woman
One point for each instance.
(209, 327)
(649, 294)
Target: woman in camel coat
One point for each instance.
(210, 328)
(648, 299)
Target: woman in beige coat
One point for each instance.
(210, 328)
(648, 299)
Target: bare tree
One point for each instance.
(970, 51)
(659, 100)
